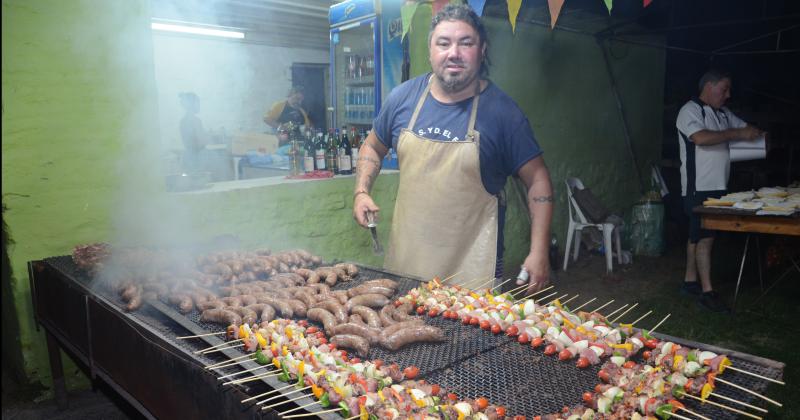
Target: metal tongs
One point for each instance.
(377, 249)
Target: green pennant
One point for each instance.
(609, 5)
(407, 13)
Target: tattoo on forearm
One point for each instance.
(365, 176)
(542, 199)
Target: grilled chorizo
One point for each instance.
(221, 316)
(354, 342)
(373, 300)
(279, 305)
(387, 316)
(322, 316)
(413, 334)
(372, 335)
(333, 306)
(368, 314)
(366, 289)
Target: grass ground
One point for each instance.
(770, 328)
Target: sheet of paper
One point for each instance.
(748, 150)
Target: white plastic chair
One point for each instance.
(577, 221)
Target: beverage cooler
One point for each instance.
(366, 59)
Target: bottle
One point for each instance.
(319, 151)
(330, 152)
(355, 144)
(308, 152)
(351, 67)
(345, 154)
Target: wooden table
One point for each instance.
(747, 221)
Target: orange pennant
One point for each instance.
(555, 9)
(513, 11)
(647, 2)
(438, 4)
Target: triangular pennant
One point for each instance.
(647, 2)
(513, 11)
(438, 4)
(477, 6)
(609, 5)
(406, 14)
(555, 9)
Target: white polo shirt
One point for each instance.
(705, 167)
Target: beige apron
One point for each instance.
(444, 222)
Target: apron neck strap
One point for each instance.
(472, 116)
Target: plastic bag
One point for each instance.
(646, 228)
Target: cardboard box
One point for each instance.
(241, 143)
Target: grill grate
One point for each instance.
(472, 363)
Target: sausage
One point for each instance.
(391, 329)
(210, 304)
(339, 295)
(381, 282)
(183, 301)
(387, 316)
(326, 318)
(279, 305)
(370, 316)
(356, 319)
(333, 306)
(249, 316)
(298, 307)
(221, 316)
(265, 312)
(321, 288)
(367, 289)
(159, 288)
(413, 334)
(248, 300)
(403, 312)
(306, 298)
(371, 334)
(134, 303)
(128, 292)
(373, 300)
(232, 301)
(350, 269)
(328, 275)
(311, 276)
(354, 342)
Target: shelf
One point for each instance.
(364, 81)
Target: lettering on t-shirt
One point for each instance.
(437, 132)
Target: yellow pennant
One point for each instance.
(513, 11)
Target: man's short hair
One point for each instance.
(712, 76)
(296, 89)
(463, 13)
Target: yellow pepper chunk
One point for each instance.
(285, 350)
(723, 364)
(242, 332)
(706, 391)
(276, 362)
(676, 362)
(289, 333)
(626, 346)
(262, 342)
(301, 367)
(317, 391)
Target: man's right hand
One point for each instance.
(750, 133)
(362, 204)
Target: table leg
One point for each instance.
(57, 371)
(794, 266)
(741, 268)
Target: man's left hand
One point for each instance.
(538, 267)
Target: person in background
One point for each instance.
(288, 110)
(458, 137)
(705, 127)
(193, 135)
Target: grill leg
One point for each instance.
(57, 371)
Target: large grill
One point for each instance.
(471, 362)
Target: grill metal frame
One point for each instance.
(471, 362)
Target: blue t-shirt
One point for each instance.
(506, 138)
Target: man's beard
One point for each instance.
(455, 83)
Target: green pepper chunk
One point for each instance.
(691, 357)
(373, 417)
(324, 401)
(646, 334)
(664, 411)
(261, 358)
(345, 409)
(677, 392)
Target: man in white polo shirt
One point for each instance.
(704, 129)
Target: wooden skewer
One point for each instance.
(227, 343)
(224, 348)
(353, 418)
(484, 284)
(558, 298)
(449, 277)
(749, 391)
(199, 335)
(252, 378)
(569, 300)
(623, 314)
(500, 285)
(527, 297)
(233, 362)
(285, 401)
(659, 323)
(517, 289)
(588, 302)
(604, 305)
(243, 371)
(723, 406)
(224, 362)
(621, 308)
(694, 414)
(281, 395)
(678, 416)
(267, 393)
(540, 291)
(641, 317)
(755, 375)
(739, 402)
(332, 410)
